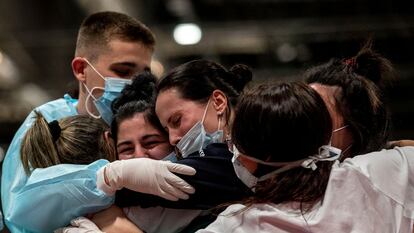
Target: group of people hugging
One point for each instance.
(206, 148)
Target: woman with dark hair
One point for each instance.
(281, 135)
(136, 130)
(352, 91)
(194, 104)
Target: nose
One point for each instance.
(140, 152)
(173, 137)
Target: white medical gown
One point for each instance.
(368, 193)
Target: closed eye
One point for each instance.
(127, 150)
(176, 120)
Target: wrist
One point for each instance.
(106, 177)
(103, 182)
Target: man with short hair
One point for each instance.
(110, 46)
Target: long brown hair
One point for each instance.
(284, 122)
(80, 140)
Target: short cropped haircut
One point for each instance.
(97, 30)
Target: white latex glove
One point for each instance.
(80, 225)
(146, 176)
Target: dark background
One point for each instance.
(277, 38)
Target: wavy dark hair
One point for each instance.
(138, 97)
(361, 100)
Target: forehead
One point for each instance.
(126, 52)
(136, 125)
(170, 101)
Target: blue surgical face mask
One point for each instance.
(112, 90)
(197, 138)
(325, 153)
(170, 157)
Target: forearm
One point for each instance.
(63, 192)
(209, 192)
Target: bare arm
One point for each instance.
(400, 143)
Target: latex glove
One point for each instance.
(80, 225)
(146, 176)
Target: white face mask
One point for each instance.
(325, 153)
(112, 90)
(196, 139)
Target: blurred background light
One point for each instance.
(187, 34)
(286, 52)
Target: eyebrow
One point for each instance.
(123, 143)
(126, 63)
(150, 136)
(130, 65)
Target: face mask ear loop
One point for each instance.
(205, 112)
(339, 129)
(219, 123)
(87, 101)
(100, 75)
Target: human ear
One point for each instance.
(108, 136)
(78, 68)
(219, 102)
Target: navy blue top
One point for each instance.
(215, 183)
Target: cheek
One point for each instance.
(160, 151)
(123, 157)
(186, 125)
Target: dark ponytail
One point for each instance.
(372, 66)
(361, 101)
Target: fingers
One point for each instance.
(60, 230)
(181, 169)
(84, 223)
(166, 195)
(180, 184)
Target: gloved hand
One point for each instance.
(146, 176)
(80, 225)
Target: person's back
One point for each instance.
(304, 188)
(78, 139)
(109, 45)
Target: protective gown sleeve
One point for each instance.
(50, 197)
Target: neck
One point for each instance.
(81, 108)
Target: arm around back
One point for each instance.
(215, 183)
(50, 197)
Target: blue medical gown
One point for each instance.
(52, 196)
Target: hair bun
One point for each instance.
(241, 75)
(372, 65)
(142, 88)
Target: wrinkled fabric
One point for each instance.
(1, 221)
(368, 193)
(159, 219)
(53, 196)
